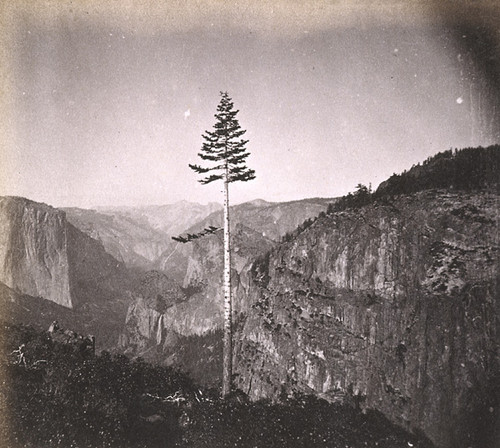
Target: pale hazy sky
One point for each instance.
(105, 102)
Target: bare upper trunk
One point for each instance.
(227, 362)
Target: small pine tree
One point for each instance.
(226, 154)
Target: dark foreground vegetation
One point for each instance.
(58, 395)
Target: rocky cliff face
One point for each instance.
(196, 307)
(33, 250)
(45, 258)
(393, 307)
(197, 266)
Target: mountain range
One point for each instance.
(94, 261)
(387, 299)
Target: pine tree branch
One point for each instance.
(211, 178)
(199, 169)
(194, 236)
(213, 158)
(243, 177)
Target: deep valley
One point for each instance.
(381, 305)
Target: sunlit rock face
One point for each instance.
(33, 250)
(45, 257)
(393, 307)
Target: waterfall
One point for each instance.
(159, 331)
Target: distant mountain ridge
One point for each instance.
(141, 237)
(138, 235)
(271, 220)
(168, 218)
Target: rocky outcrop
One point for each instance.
(33, 250)
(393, 307)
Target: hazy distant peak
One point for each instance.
(258, 203)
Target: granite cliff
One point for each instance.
(45, 258)
(392, 306)
(34, 261)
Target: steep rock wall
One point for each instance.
(393, 307)
(202, 309)
(33, 250)
(45, 257)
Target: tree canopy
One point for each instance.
(223, 148)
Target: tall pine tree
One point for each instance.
(225, 153)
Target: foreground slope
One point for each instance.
(76, 399)
(16, 308)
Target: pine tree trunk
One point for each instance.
(228, 349)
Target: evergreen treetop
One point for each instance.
(224, 148)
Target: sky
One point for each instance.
(104, 103)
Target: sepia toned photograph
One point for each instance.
(249, 223)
